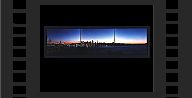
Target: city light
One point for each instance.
(99, 37)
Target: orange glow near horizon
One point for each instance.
(132, 41)
(76, 42)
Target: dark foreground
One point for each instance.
(131, 51)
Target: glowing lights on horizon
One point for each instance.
(126, 35)
(132, 41)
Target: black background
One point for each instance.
(96, 74)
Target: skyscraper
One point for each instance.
(114, 35)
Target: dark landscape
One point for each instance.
(129, 51)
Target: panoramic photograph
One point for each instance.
(96, 42)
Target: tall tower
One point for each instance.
(80, 35)
(114, 35)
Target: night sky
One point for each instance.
(63, 35)
(131, 35)
(124, 35)
(102, 35)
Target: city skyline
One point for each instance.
(124, 35)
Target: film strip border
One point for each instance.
(19, 49)
(172, 49)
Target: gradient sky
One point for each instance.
(131, 35)
(124, 35)
(102, 35)
(63, 34)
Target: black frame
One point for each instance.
(145, 18)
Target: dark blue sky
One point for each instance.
(131, 35)
(125, 35)
(63, 34)
(102, 35)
